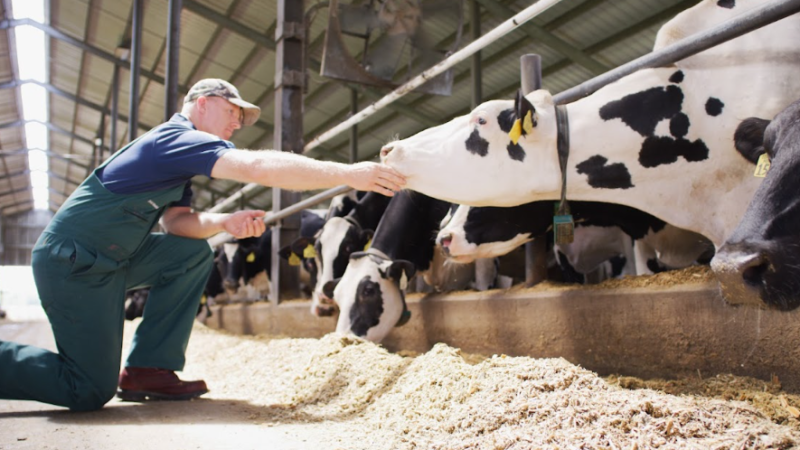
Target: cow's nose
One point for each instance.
(752, 268)
(741, 275)
(386, 150)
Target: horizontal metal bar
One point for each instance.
(221, 238)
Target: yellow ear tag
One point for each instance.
(251, 257)
(309, 252)
(527, 122)
(294, 260)
(516, 131)
(368, 244)
(762, 167)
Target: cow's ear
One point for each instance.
(525, 118)
(401, 271)
(285, 252)
(749, 138)
(329, 287)
(300, 247)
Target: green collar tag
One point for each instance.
(563, 229)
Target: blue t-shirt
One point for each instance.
(167, 156)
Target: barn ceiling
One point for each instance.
(234, 40)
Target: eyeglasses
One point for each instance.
(241, 116)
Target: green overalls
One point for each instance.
(98, 245)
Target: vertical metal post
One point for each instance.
(354, 128)
(136, 62)
(289, 78)
(173, 49)
(112, 147)
(535, 251)
(475, 68)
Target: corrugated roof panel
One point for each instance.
(257, 15)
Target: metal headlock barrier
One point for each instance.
(696, 43)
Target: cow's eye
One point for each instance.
(481, 121)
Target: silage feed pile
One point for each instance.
(369, 398)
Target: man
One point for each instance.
(99, 244)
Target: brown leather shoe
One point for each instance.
(137, 384)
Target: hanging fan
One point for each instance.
(388, 42)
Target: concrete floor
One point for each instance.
(197, 424)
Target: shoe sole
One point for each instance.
(142, 396)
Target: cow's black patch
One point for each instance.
(655, 266)
(612, 176)
(714, 106)
(726, 3)
(676, 77)
(516, 152)
(679, 125)
(506, 119)
(367, 310)
(643, 110)
(749, 138)
(658, 150)
(477, 144)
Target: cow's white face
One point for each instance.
(370, 295)
(463, 247)
(337, 240)
(472, 160)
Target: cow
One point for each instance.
(759, 264)
(602, 231)
(371, 293)
(250, 259)
(333, 244)
(659, 140)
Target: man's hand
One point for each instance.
(370, 176)
(244, 224)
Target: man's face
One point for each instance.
(222, 117)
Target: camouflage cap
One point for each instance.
(215, 87)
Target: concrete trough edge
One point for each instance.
(652, 332)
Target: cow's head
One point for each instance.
(488, 232)
(371, 295)
(335, 242)
(445, 161)
(760, 263)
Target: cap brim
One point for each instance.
(251, 111)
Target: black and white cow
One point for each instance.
(760, 263)
(250, 259)
(602, 231)
(371, 293)
(336, 241)
(659, 140)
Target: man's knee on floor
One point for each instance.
(91, 398)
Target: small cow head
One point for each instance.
(488, 232)
(371, 295)
(760, 263)
(336, 241)
(495, 140)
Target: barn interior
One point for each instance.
(115, 69)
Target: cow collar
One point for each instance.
(405, 316)
(562, 145)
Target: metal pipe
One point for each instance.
(112, 147)
(696, 43)
(354, 128)
(136, 62)
(488, 38)
(475, 67)
(173, 50)
(272, 217)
